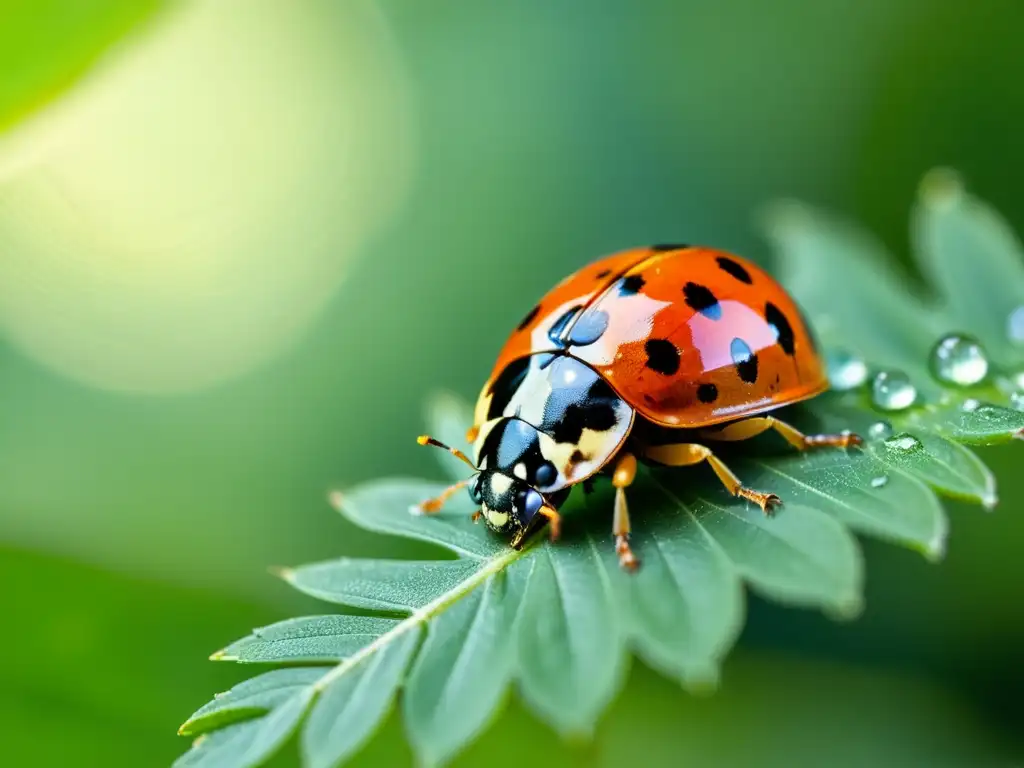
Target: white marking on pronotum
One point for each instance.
(519, 470)
(500, 484)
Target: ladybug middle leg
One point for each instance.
(622, 478)
(747, 428)
(687, 454)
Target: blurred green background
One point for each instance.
(241, 241)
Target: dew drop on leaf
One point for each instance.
(970, 405)
(880, 481)
(1017, 400)
(903, 442)
(880, 430)
(845, 370)
(959, 360)
(893, 391)
(1015, 325)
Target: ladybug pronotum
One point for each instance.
(648, 354)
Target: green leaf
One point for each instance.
(462, 672)
(383, 585)
(684, 607)
(354, 700)
(250, 699)
(251, 742)
(310, 639)
(45, 46)
(859, 491)
(556, 621)
(570, 646)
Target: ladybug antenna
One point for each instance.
(428, 440)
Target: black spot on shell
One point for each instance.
(707, 393)
(601, 390)
(589, 328)
(603, 274)
(745, 360)
(702, 300)
(504, 387)
(735, 269)
(555, 334)
(783, 330)
(599, 417)
(669, 247)
(631, 285)
(529, 317)
(662, 356)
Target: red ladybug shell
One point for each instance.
(688, 336)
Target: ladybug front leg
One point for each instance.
(747, 428)
(433, 506)
(686, 454)
(622, 478)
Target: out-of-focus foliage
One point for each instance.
(46, 45)
(543, 135)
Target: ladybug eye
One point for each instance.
(530, 503)
(545, 474)
(474, 490)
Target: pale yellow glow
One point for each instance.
(182, 215)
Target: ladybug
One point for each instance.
(651, 354)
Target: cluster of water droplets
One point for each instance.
(956, 360)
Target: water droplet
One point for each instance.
(1018, 379)
(1015, 325)
(970, 405)
(903, 442)
(845, 370)
(1017, 400)
(880, 481)
(880, 430)
(893, 391)
(959, 360)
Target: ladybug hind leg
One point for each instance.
(687, 454)
(748, 428)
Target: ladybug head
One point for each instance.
(508, 504)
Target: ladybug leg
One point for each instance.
(622, 478)
(686, 454)
(747, 428)
(433, 506)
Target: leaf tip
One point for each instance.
(335, 499)
(222, 655)
(782, 218)
(941, 188)
(183, 729)
(847, 609)
(702, 682)
(282, 572)
(935, 550)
